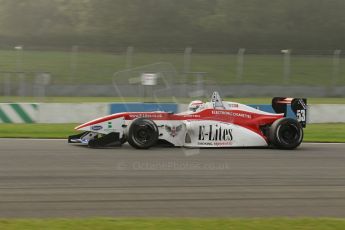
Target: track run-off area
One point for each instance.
(50, 178)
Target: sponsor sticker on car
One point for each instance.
(96, 127)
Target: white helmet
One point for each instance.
(195, 105)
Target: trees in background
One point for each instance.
(304, 24)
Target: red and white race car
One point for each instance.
(213, 124)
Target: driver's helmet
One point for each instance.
(195, 105)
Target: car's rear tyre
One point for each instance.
(285, 133)
(143, 133)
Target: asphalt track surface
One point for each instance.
(50, 178)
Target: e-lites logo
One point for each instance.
(214, 133)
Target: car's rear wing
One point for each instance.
(298, 107)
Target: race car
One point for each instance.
(214, 124)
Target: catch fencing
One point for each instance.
(185, 72)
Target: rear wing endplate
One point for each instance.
(298, 107)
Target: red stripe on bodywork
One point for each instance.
(249, 120)
(100, 120)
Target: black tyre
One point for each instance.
(285, 133)
(143, 133)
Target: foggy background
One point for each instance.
(241, 48)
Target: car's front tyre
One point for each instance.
(143, 133)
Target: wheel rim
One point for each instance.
(143, 134)
(289, 134)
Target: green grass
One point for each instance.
(325, 132)
(313, 132)
(259, 100)
(36, 130)
(99, 67)
(181, 224)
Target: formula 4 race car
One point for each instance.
(213, 124)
